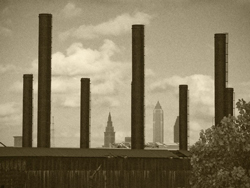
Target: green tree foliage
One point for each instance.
(221, 157)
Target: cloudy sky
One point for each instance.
(92, 39)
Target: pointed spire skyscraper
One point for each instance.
(109, 134)
(158, 124)
(109, 118)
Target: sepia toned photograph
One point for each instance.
(124, 94)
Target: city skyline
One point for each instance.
(93, 40)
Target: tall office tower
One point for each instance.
(158, 127)
(176, 130)
(109, 134)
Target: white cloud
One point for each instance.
(84, 61)
(106, 76)
(200, 87)
(70, 11)
(117, 26)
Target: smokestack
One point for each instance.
(137, 119)
(183, 117)
(220, 75)
(229, 101)
(44, 80)
(85, 113)
(27, 110)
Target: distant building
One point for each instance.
(109, 134)
(176, 130)
(173, 146)
(158, 124)
(128, 139)
(126, 144)
(157, 145)
(18, 141)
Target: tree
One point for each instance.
(221, 156)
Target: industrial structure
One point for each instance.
(44, 80)
(109, 134)
(27, 110)
(85, 113)
(158, 124)
(97, 168)
(229, 101)
(137, 98)
(223, 95)
(183, 117)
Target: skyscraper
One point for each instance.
(109, 134)
(158, 124)
(176, 130)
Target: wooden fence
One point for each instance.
(79, 172)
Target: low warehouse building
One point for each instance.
(92, 168)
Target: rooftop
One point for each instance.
(77, 152)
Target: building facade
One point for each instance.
(176, 130)
(128, 139)
(109, 134)
(158, 124)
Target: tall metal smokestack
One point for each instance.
(229, 101)
(27, 110)
(220, 75)
(85, 113)
(137, 119)
(183, 117)
(44, 80)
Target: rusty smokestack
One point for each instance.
(137, 111)
(27, 110)
(183, 117)
(85, 113)
(229, 101)
(44, 80)
(221, 58)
